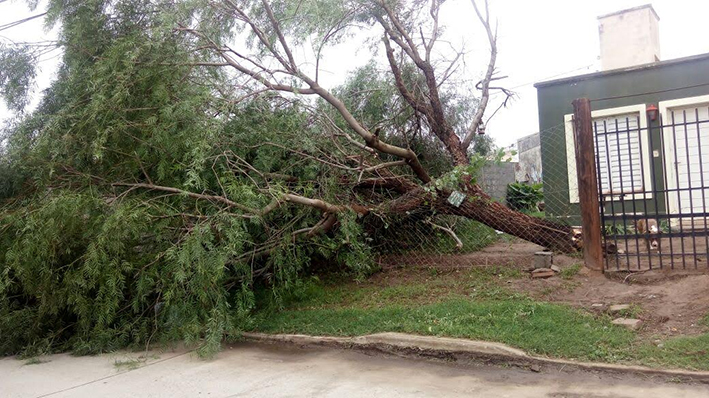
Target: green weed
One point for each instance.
(34, 361)
(571, 271)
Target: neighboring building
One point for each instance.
(621, 99)
(529, 153)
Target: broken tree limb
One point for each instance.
(211, 198)
(250, 213)
(450, 232)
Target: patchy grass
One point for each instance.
(474, 304)
(537, 213)
(541, 328)
(34, 361)
(633, 311)
(705, 320)
(476, 282)
(570, 272)
(129, 363)
(680, 352)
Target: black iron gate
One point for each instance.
(653, 184)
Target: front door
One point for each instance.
(686, 136)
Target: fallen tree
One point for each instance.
(418, 78)
(185, 161)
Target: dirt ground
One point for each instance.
(669, 302)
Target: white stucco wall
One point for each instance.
(629, 37)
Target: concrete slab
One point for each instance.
(266, 371)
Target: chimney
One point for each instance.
(629, 37)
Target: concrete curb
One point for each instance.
(462, 349)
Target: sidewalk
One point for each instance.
(262, 370)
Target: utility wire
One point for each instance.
(550, 77)
(21, 21)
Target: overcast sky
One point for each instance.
(539, 40)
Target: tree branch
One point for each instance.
(279, 33)
(458, 242)
(275, 203)
(485, 82)
(211, 198)
(314, 88)
(399, 81)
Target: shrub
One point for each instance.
(522, 196)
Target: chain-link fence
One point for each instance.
(536, 179)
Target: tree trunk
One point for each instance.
(480, 207)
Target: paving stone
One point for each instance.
(542, 273)
(619, 307)
(629, 323)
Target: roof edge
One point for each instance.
(651, 65)
(631, 9)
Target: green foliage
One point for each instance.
(95, 255)
(570, 271)
(89, 266)
(521, 196)
(484, 145)
(372, 97)
(615, 229)
(17, 75)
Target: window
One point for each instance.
(618, 154)
(622, 152)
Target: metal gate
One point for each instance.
(653, 184)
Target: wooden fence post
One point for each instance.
(587, 184)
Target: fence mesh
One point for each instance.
(653, 184)
(533, 179)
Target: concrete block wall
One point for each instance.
(494, 179)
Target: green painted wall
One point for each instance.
(555, 100)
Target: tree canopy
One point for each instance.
(185, 162)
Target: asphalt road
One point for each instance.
(253, 370)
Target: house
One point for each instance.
(651, 120)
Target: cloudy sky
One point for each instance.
(538, 40)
